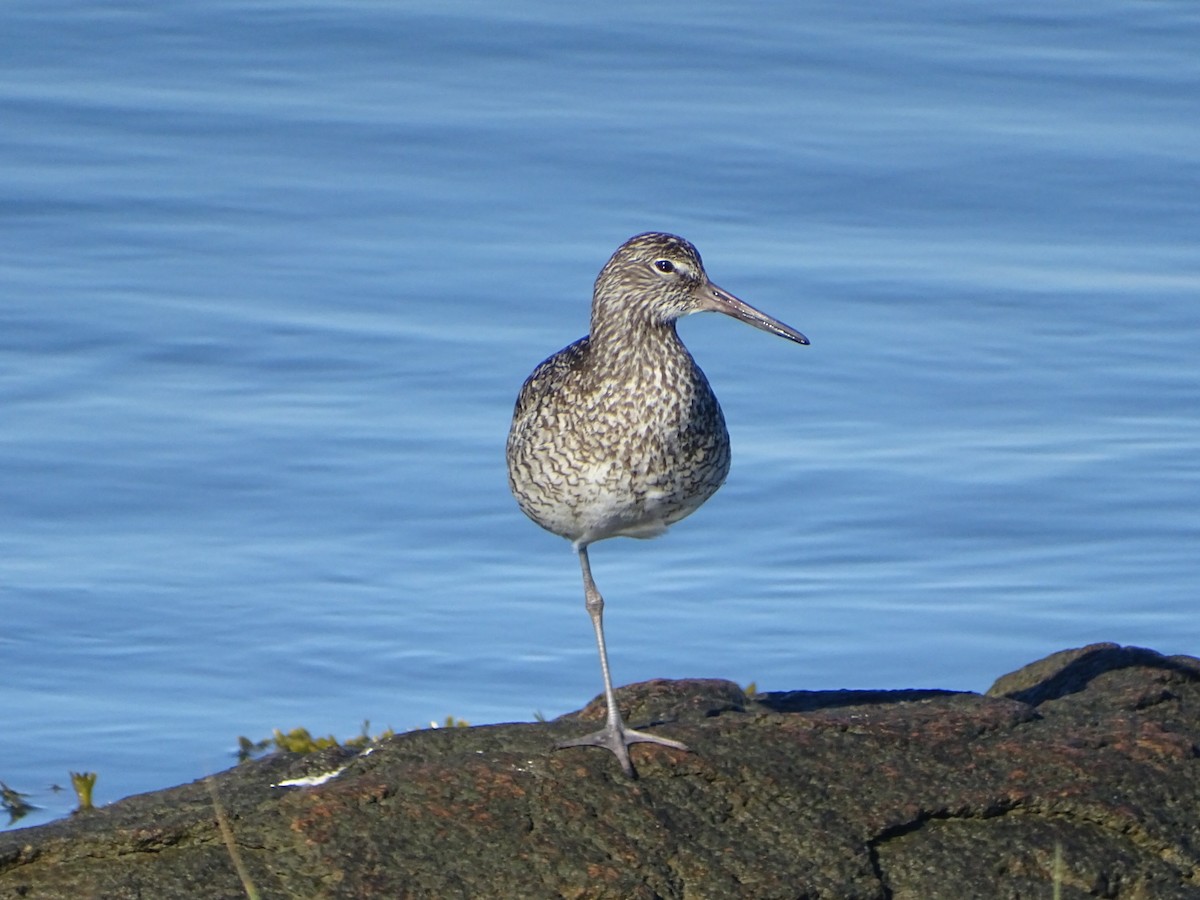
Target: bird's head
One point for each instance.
(656, 278)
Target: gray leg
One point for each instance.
(615, 735)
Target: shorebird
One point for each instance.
(619, 434)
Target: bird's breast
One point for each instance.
(628, 454)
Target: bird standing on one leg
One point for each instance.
(619, 434)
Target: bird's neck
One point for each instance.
(628, 354)
(632, 336)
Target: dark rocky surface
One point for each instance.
(1086, 763)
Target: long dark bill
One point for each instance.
(720, 300)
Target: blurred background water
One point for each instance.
(271, 275)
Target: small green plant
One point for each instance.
(451, 722)
(364, 737)
(248, 749)
(301, 740)
(83, 782)
(14, 803)
(751, 689)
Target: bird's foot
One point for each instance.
(616, 738)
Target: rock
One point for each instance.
(1082, 768)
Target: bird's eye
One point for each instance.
(664, 265)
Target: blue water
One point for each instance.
(272, 273)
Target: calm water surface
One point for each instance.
(272, 273)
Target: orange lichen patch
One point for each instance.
(316, 823)
(438, 812)
(608, 874)
(1151, 741)
(497, 781)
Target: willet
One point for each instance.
(619, 434)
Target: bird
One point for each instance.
(619, 434)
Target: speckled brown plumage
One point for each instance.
(619, 434)
(592, 457)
